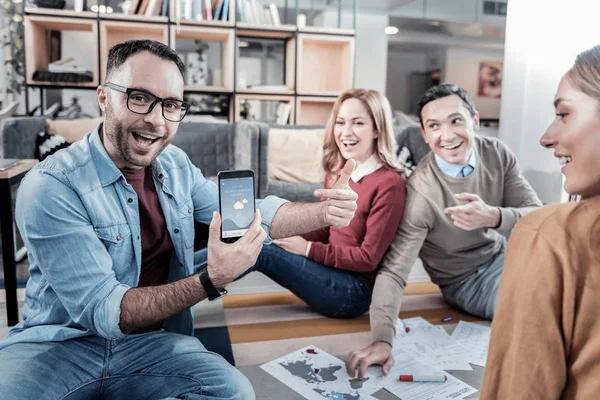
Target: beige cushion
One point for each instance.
(296, 155)
(72, 129)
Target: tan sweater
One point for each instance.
(546, 332)
(448, 253)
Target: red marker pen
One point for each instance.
(423, 378)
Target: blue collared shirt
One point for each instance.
(79, 219)
(455, 169)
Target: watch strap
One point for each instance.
(211, 291)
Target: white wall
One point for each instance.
(400, 66)
(462, 69)
(371, 52)
(534, 62)
(436, 59)
(468, 11)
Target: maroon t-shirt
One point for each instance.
(157, 246)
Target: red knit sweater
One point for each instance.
(360, 246)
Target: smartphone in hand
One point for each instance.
(236, 203)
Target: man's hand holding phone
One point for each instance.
(227, 261)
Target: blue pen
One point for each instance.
(447, 319)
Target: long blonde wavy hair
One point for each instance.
(379, 110)
(584, 76)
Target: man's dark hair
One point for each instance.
(122, 51)
(446, 89)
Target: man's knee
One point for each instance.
(230, 384)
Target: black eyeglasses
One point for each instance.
(141, 101)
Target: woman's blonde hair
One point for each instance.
(584, 75)
(380, 112)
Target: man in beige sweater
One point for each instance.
(462, 202)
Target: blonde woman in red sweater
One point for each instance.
(546, 333)
(333, 269)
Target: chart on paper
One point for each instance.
(318, 375)
(433, 346)
(474, 337)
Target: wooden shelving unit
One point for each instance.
(225, 37)
(325, 64)
(318, 62)
(313, 110)
(37, 55)
(263, 98)
(115, 32)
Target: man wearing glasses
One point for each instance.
(109, 226)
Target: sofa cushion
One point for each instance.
(47, 145)
(72, 129)
(295, 155)
(412, 148)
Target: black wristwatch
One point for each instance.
(212, 292)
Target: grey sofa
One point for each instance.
(214, 147)
(211, 147)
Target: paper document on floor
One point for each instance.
(474, 337)
(318, 375)
(433, 346)
(453, 388)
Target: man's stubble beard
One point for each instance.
(118, 135)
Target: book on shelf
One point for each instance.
(282, 113)
(218, 9)
(135, 5)
(253, 12)
(149, 8)
(225, 12)
(165, 8)
(152, 7)
(274, 14)
(201, 10)
(208, 10)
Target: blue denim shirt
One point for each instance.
(79, 219)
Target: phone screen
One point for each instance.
(236, 196)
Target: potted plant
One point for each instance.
(11, 42)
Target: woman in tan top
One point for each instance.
(546, 332)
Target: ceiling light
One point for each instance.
(391, 30)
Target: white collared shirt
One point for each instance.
(370, 165)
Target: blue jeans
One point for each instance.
(329, 291)
(155, 365)
(477, 294)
